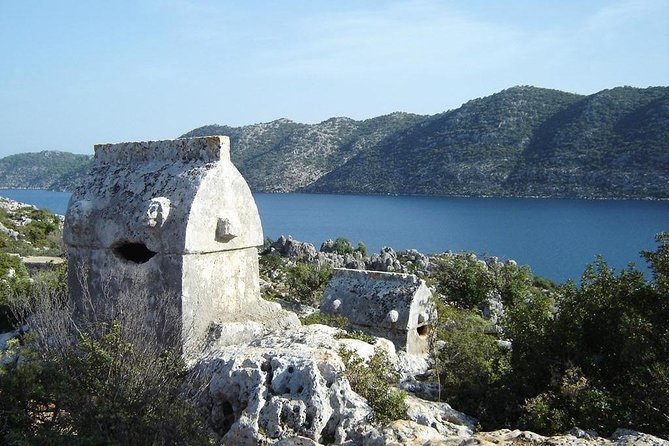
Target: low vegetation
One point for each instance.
(518, 351)
(14, 280)
(306, 282)
(103, 379)
(509, 348)
(593, 355)
(374, 380)
(332, 320)
(37, 232)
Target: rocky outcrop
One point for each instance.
(506, 437)
(386, 261)
(293, 249)
(290, 388)
(7, 204)
(297, 251)
(278, 387)
(440, 416)
(14, 235)
(24, 228)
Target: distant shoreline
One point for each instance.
(530, 197)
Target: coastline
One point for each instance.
(533, 197)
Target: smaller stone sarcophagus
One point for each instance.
(394, 306)
(171, 222)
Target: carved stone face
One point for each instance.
(157, 212)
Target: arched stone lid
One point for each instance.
(174, 196)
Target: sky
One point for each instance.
(76, 73)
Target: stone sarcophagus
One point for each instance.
(173, 225)
(394, 306)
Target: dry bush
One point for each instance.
(105, 369)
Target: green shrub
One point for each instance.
(600, 358)
(13, 281)
(101, 390)
(306, 282)
(613, 329)
(529, 321)
(659, 261)
(53, 278)
(463, 280)
(541, 414)
(574, 401)
(373, 381)
(104, 378)
(271, 262)
(41, 236)
(342, 246)
(466, 281)
(471, 365)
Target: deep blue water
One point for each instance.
(557, 238)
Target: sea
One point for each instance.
(557, 238)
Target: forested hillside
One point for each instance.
(50, 170)
(523, 141)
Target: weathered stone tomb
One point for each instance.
(171, 223)
(394, 306)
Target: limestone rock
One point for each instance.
(354, 261)
(5, 337)
(10, 232)
(296, 441)
(386, 261)
(8, 204)
(627, 437)
(327, 246)
(278, 387)
(294, 250)
(415, 259)
(410, 433)
(440, 416)
(492, 308)
(507, 437)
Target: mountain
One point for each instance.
(285, 156)
(613, 143)
(523, 141)
(52, 170)
(468, 151)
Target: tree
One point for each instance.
(603, 360)
(463, 280)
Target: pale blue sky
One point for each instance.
(76, 73)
